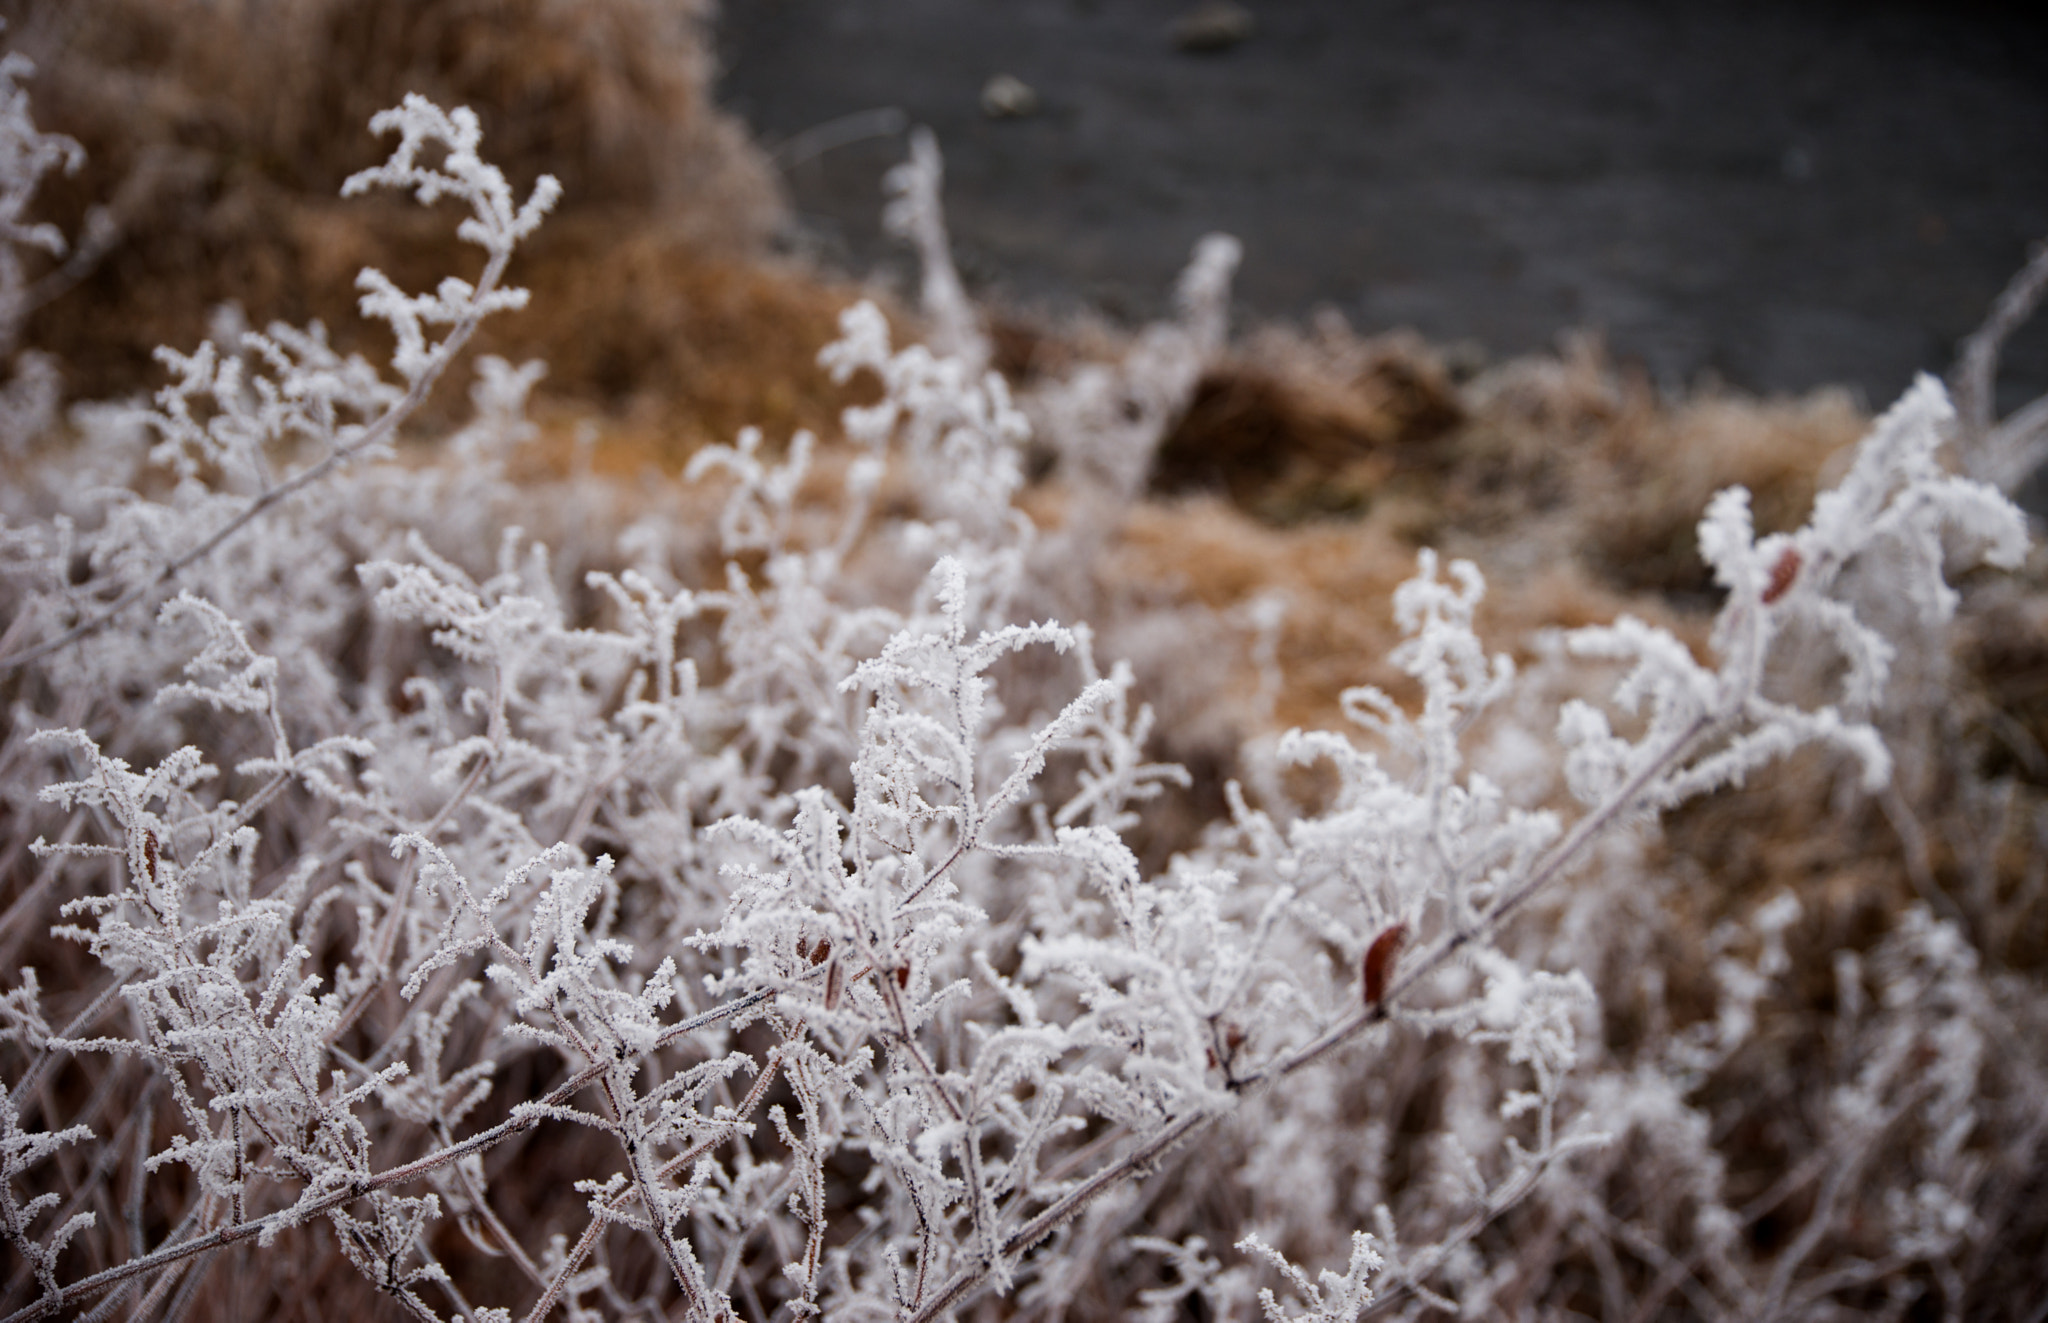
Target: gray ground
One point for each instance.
(1775, 194)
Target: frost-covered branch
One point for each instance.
(313, 388)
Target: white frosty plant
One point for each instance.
(805, 899)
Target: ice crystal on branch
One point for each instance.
(780, 878)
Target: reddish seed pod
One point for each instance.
(1379, 962)
(903, 976)
(835, 983)
(821, 950)
(1782, 575)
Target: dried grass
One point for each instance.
(222, 131)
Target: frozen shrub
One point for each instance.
(795, 907)
(28, 401)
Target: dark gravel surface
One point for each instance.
(1776, 195)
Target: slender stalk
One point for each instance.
(306, 1209)
(401, 901)
(588, 1240)
(32, 1078)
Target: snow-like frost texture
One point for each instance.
(811, 885)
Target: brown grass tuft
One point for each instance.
(1288, 439)
(220, 135)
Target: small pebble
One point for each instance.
(1214, 25)
(1006, 96)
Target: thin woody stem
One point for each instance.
(527, 1119)
(306, 1209)
(588, 1240)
